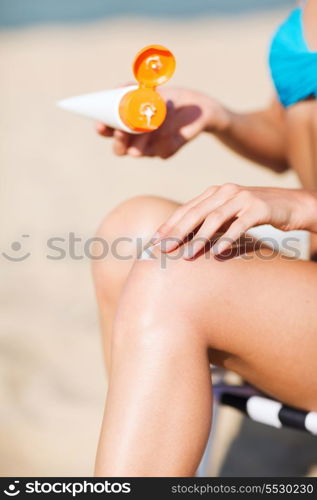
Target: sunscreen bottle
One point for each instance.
(136, 108)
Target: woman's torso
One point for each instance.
(293, 64)
(301, 137)
(301, 116)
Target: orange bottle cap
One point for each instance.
(143, 109)
(153, 65)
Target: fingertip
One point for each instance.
(104, 130)
(119, 150)
(120, 143)
(220, 247)
(117, 147)
(100, 129)
(119, 134)
(155, 238)
(167, 245)
(134, 152)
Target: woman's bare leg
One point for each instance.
(256, 316)
(128, 226)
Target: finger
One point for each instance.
(215, 220)
(185, 228)
(179, 213)
(104, 130)
(138, 145)
(216, 196)
(120, 142)
(237, 229)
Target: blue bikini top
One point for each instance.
(293, 65)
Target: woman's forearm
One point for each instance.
(238, 208)
(258, 136)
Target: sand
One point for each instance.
(58, 177)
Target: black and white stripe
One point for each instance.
(267, 411)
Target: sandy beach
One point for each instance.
(58, 177)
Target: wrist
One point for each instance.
(218, 118)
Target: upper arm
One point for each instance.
(276, 112)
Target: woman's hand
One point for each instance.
(234, 209)
(188, 113)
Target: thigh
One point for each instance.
(257, 314)
(271, 328)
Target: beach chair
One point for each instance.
(257, 406)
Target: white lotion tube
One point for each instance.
(136, 108)
(100, 106)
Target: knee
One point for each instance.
(133, 217)
(121, 235)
